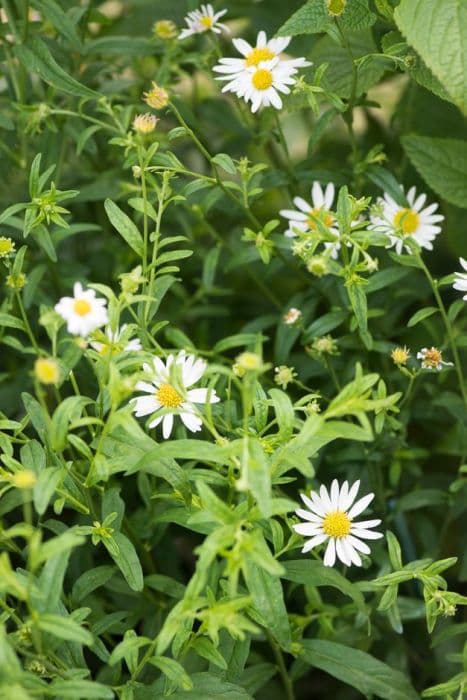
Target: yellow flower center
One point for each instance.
(46, 371)
(337, 524)
(24, 479)
(323, 214)
(262, 79)
(168, 396)
(407, 220)
(258, 55)
(206, 21)
(81, 307)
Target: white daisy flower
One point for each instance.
(82, 312)
(398, 222)
(168, 392)
(254, 55)
(262, 84)
(461, 279)
(132, 345)
(300, 218)
(203, 20)
(330, 518)
(432, 358)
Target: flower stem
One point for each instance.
(286, 682)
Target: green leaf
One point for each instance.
(225, 162)
(314, 573)
(173, 670)
(124, 226)
(127, 561)
(64, 628)
(442, 163)
(357, 668)
(313, 18)
(205, 648)
(266, 592)
(45, 487)
(36, 57)
(60, 20)
(90, 580)
(438, 32)
(80, 689)
(207, 686)
(421, 314)
(258, 476)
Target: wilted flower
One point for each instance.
(432, 358)
(284, 375)
(157, 97)
(47, 370)
(168, 392)
(203, 20)
(82, 312)
(292, 316)
(461, 279)
(398, 222)
(16, 281)
(165, 29)
(145, 123)
(330, 518)
(400, 356)
(7, 247)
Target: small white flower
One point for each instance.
(461, 279)
(203, 20)
(168, 392)
(300, 218)
(398, 222)
(330, 518)
(432, 358)
(292, 316)
(132, 345)
(262, 84)
(82, 312)
(254, 55)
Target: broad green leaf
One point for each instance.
(125, 226)
(207, 686)
(44, 488)
(313, 18)
(438, 32)
(205, 648)
(314, 573)
(266, 592)
(225, 162)
(442, 163)
(74, 689)
(258, 476)
(357, 668)
(90, 580)
(64, 628)
(36, 57)
(173, 670)
(127, 561)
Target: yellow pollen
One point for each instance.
(81, 307)
(337, 524)
(168, 397)
(262, 79)
(325, 216)
(257, 55)
(432, 358)
(407, 220)
(206, 21)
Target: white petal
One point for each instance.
(302, 205)
(360, 505)
(329, 195)
(314, 505)
(191, 421)
(367, 523)
(314, 542)
(201, 396)
(335, 494)
(358, 544)
(145, 386)
(330, 555)
(145, 405)
(317, 195)
(155, 422)
(351, 553)
(326, 501)
(345, 504)
(308, 529)
(344, 492)
(366, 534)
(342, 553)
(306, 515)
(167, 425)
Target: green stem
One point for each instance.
(448, 326)
(145, 215)
(26, 322)
(348, 114)
(286, 682)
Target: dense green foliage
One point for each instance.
(138, 567)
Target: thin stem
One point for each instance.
(286, 682)
(145, 215)
(448, 326)
(26, 322)
(348, 114)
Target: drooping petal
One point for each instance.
(330, 555)
(167, 425)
